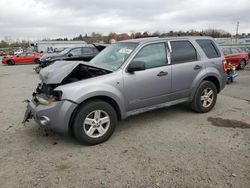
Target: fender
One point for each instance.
(208, 72)
(87, 91)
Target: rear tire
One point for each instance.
(95, 122)
(205, 97)
(242, 64)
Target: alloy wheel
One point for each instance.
(207, 97)
(96, 123)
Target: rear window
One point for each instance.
(209, 48)
(182, 52)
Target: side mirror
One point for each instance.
(17, 55)
(136, 66)
(70, 55)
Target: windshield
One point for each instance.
(112, 57)
(64, 51)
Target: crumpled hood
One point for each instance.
(56, 72)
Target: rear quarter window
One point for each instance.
(209, 48)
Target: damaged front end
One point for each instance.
(47, 106)
(45, 94)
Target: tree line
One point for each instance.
(97, 37)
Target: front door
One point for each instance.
(88, 53)
(151, 86)
(74, 55)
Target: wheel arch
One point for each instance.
(214, 80)
(12, 61)
(211, 78)
(107, 99)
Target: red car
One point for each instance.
(236, 56)
(23, 58)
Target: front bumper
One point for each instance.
(55, 116)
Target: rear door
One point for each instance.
(30, 58)
(186, 65)
(21, 58)
(88, 53)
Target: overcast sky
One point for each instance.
(37, 19)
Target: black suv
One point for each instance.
(70, 54)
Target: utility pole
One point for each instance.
(237, 30)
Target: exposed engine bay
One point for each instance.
(83, 72)
(61, 73)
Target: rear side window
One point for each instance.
(226, 51)
(87, 50)
(235, 51)
(209, 48)
(182, 52)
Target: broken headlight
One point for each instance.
(46, 100)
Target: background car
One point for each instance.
(236, 56)
(245, 49)
(71, 54)
(23, 58)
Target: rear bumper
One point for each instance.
(55, 116)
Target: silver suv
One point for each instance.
(127, 78)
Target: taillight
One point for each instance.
(224, 64)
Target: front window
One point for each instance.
(76, 52)
(112, 57)
(64, 51)
(21, 55)
(153, 55)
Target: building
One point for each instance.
(55, 46)
(233, 41)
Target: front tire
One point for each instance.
(11, 62)
(95, 122)
(205, 97)
(37, 69)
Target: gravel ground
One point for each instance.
(171, 147)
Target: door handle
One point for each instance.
(162, 73)
(197, 67)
